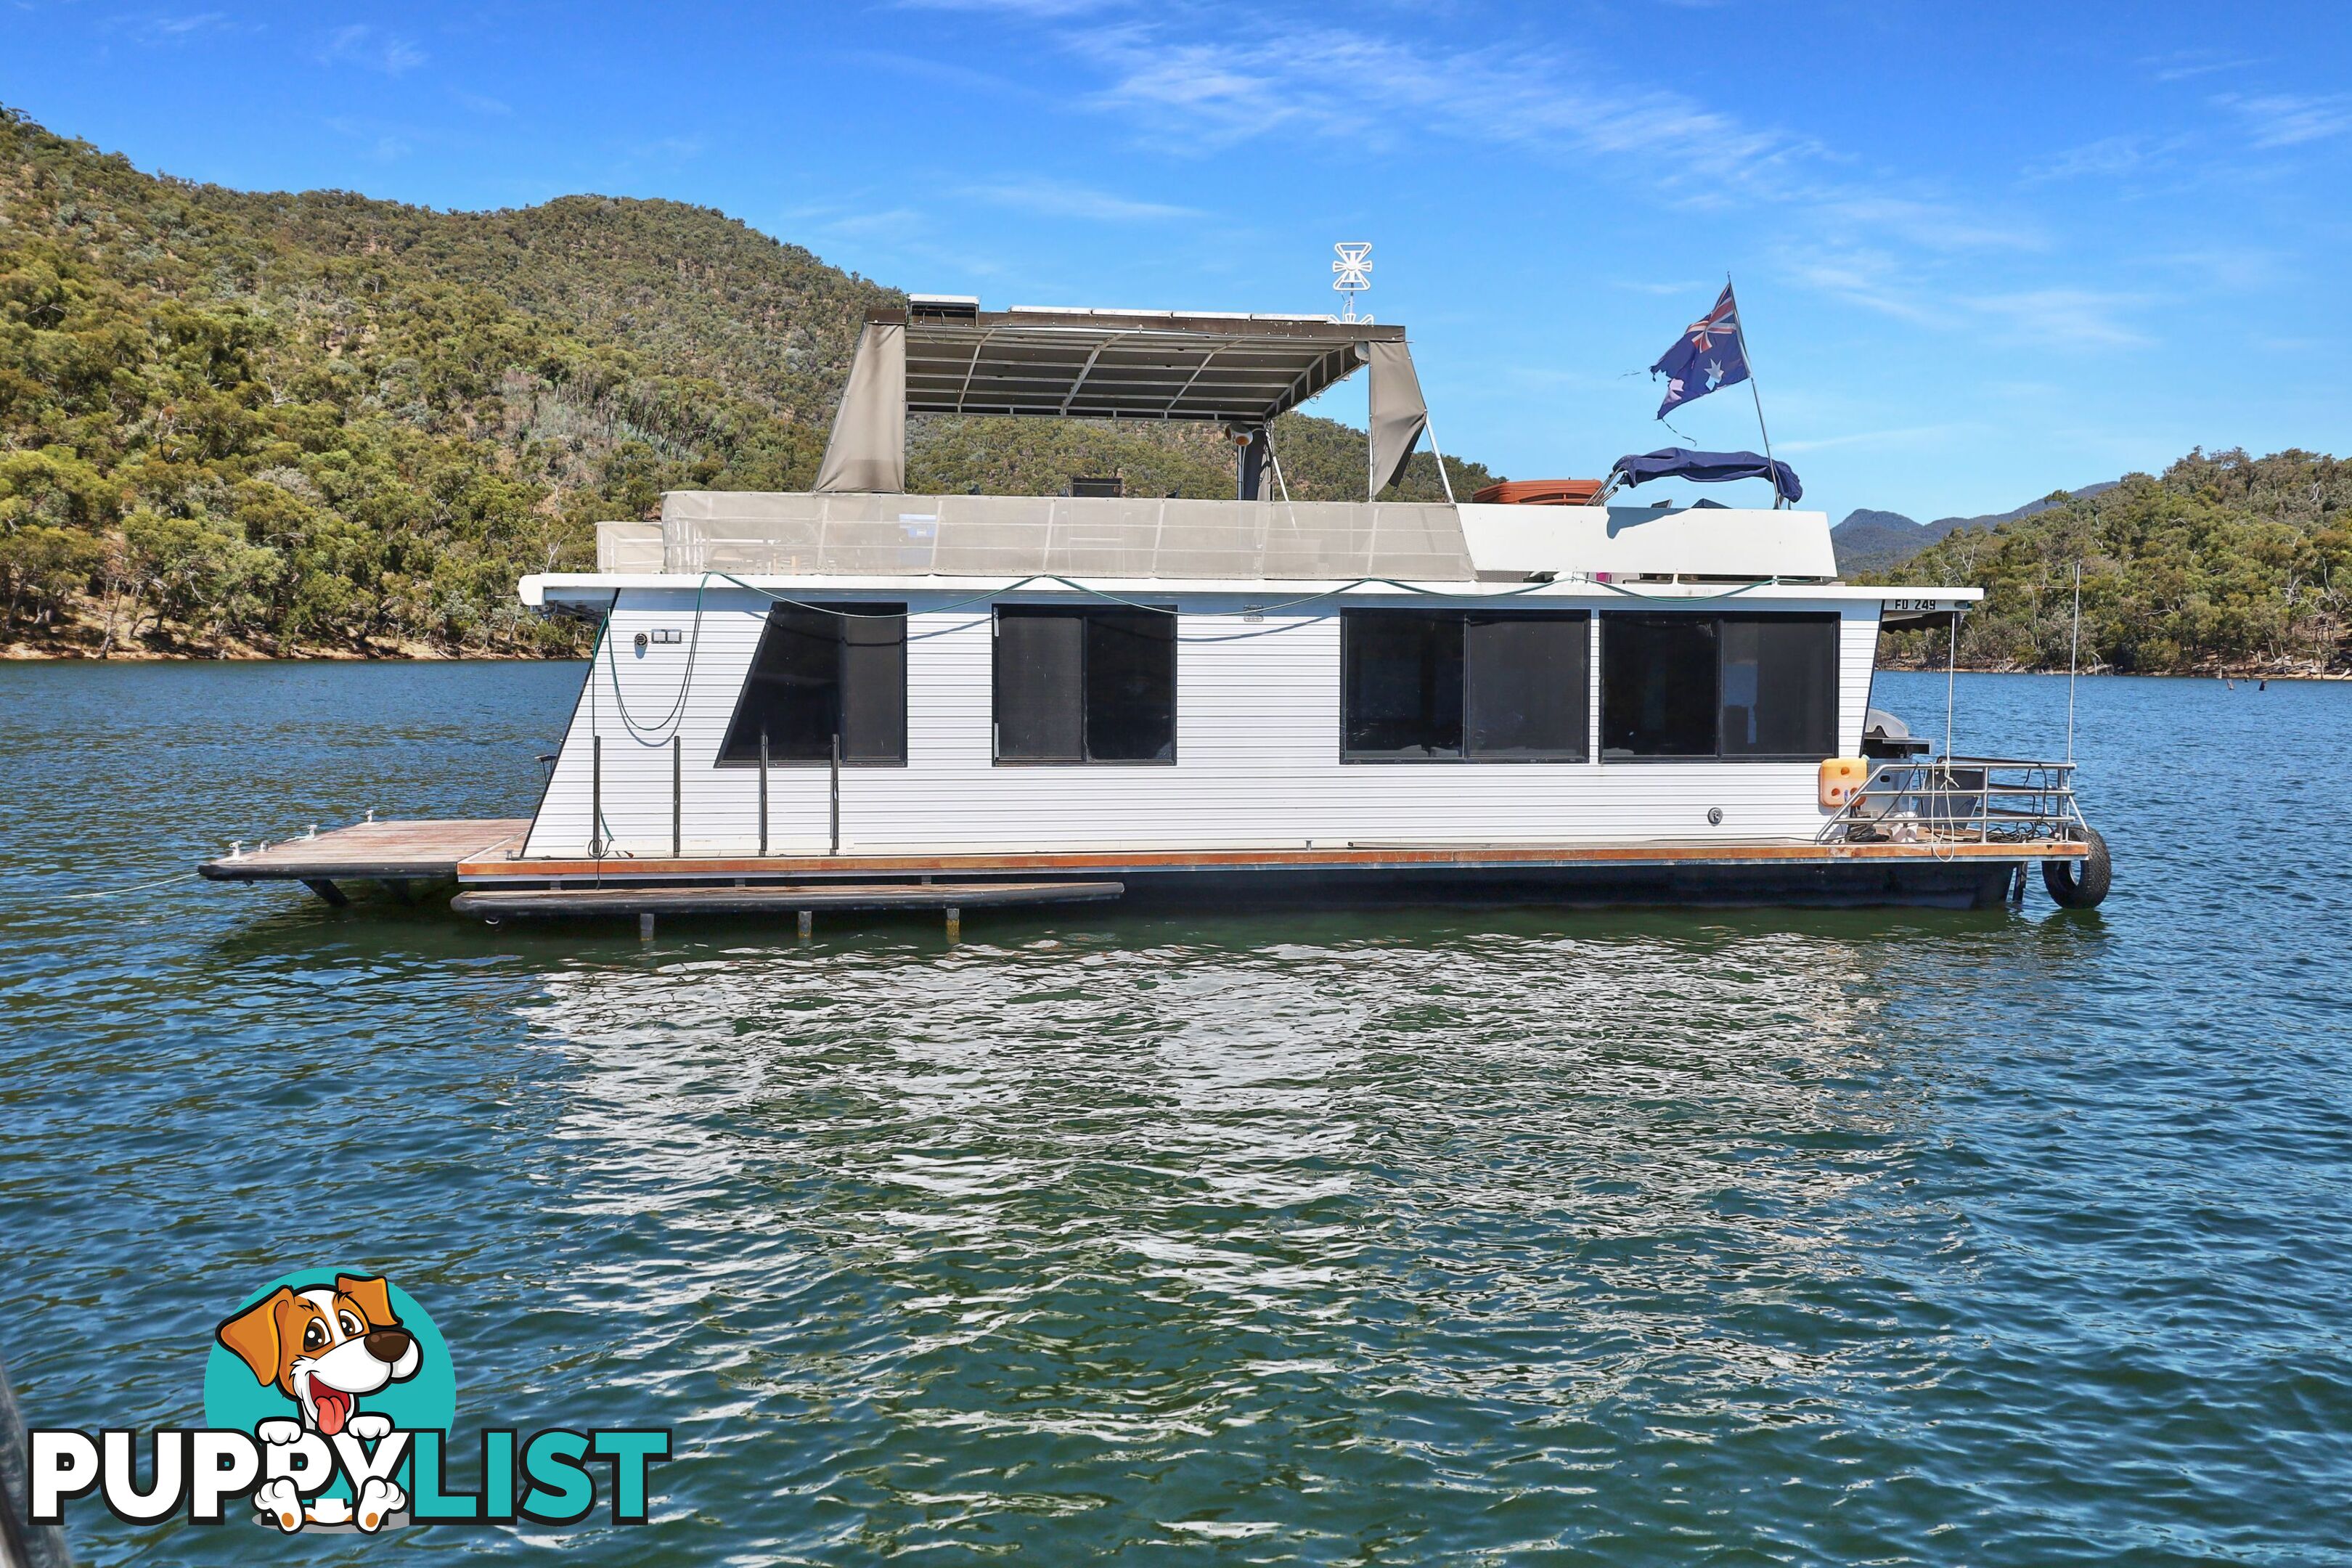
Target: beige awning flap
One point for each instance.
(867, 450)
(1399, 416)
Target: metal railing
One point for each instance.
(1962, 800)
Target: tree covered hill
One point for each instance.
(2224, 562)
(234, 422)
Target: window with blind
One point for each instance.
(1464, 686)
(823, 671)
(1754, 686)
(1084, 685)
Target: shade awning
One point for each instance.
(1240, 370)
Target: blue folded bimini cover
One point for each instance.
(1709, 468)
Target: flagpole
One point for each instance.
(1739, 327)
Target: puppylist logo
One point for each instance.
(328, 1401)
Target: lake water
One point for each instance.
(1398, 1237)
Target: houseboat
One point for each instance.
(860, 696)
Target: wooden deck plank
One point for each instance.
(405, 850)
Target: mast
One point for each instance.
(1739, 330)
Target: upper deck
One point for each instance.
(901, 542)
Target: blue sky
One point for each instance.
(1983, 251)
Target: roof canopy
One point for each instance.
(1124, 364)
(947, 356)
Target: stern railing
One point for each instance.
(1962, 800)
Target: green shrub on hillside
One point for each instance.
(2225, 560)
(317, 421)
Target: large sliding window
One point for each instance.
(1455, 684)
(821, 671)
(1084, 685)
(1699, 685)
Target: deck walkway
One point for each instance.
(398, 853)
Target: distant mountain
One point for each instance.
(1870, 541)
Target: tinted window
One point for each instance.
(1530, 686)
(1718, 685)
(821, 671)
(1040, 683)
(1658, 686)
(1779, 686)
(1424, 684)
(1130, 686)
(1086, 686)
(1400, 684)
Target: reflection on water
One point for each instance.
(1398, 1236)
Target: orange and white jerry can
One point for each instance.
(1842, 780)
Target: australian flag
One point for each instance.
(1707, 355)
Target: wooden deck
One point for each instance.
(398, 853)
(479, 855)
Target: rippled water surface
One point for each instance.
(1407, 1236)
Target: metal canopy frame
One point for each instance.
(1233, 370)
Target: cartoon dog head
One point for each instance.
(324, 1347)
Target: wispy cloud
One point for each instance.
(1035, 10)
(1056, 198)
(2109, 155)
(1869, 438)
(371, 48)
(1346, 85)
(482, 104)
(2080, 317)
(1632, 287)
(2183, 64)
(943, 73)
(1932, 226)
(384, 145)
(2055, 315)
(2290, 119)
(157, 27)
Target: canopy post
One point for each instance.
(1951, 679)
(1249, 463)
(1273, 461)
(1430, 430)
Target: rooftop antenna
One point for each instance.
(1352, 274)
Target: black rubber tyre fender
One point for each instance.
(2081, 884)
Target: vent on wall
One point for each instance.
(1113, 486)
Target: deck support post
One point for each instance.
(327, 890)
(836, 791)
(646, 926)
(955, 923)
(676, 796)
(808, 923)
(596, 798)
(399, 889)
(763, 792)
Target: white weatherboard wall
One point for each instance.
(1257, 751)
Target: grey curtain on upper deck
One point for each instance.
(1398, 415)
(867, 450)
